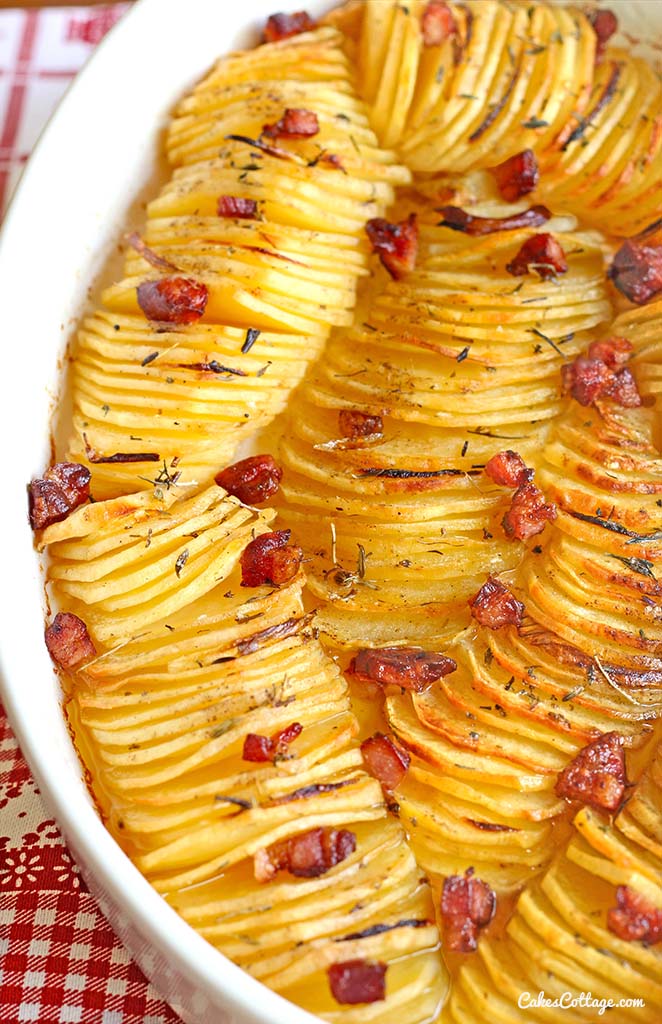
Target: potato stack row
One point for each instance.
(490, 740)
(189, 663)
(558, 940)
(506, 77)
(459, 359)
(177, 398)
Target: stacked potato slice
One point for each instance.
(643, 326)
(459, 359)
(558, 940)
(510, 77)
(188, 664)
(276, 278)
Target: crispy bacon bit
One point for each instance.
(283, 738)
(357, 981)
(623, 389)
(604, 23)
(596, 776)
(355, 424)
(614, 352)
(295, 123)
(585, 379)
(270, 559)
(517, 176)
(636, 271)
(235, 206)
(396, 244)
(51, 498)
(257, 748)
(385, 761)
(253, 480)
(265, 748)
(173, 300)
(495, 606)
(307, 855)
(542, 253)
(412, 668)
(68, 642)
(283, 26)
(602, 372)
(457, 219)
(634, 919)
(437, 23)
(528, 512)
(467, 905)
(508, 469)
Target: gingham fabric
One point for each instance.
(40, 52)
(59, 960)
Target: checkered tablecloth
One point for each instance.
(59, 960)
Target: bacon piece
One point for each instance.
(385, 761)
(542, 253)
(51, 498)
(457, 219)
(495, 606)
(295, 123)
(283, 738)
(270, 559)
(257, 748)
(235, 206)
(585, 379)
(517, 176)
(604, 23)
(614, 352)
(253, 480)
(623, 389)
(596, 776)
(437, 23)
(265, 748)
(307, 855)
(636, 271)
(412, 668)
(396, 244)
(68, 641)
(467, 905)
(508, 469)
(355, 424)
(283, 26)
(528, 512)
(173, 300)
(357, 981)
(634, 919)
(602, 372)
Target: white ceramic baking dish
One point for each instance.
(82, 187)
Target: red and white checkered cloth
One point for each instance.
(59, 960)
(40, 52)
